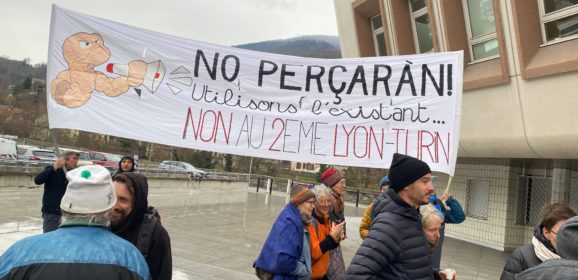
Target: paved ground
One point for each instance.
(220, 241)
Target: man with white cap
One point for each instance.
(83, 247)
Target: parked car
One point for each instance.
(83, 157)
(8, 149)
(27, 152)
(105, 159)
(180, 166)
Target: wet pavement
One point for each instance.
(221, 240)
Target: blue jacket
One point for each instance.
(455, 215)
(73, 252)
(284, 246)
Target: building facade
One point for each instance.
(519, 133)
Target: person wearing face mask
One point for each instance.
(323, 235)
(544, 242)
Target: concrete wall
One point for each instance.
(204, 191)
(520, 118)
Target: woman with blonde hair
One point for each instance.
(431, 221)
(323, 236)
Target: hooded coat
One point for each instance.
(159, 257)
(395, 247)
(120, 163)
(283, 248)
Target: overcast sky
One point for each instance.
(25, 24)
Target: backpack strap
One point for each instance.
(145, 232)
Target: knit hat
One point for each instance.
(567, 239)
(90, 190)
(405, 170)
(300, 194)
(330, 177)
(384, 181)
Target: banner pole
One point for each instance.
(449, 184)
(54, 142)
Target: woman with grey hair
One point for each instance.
(324, 236)
(432, 221)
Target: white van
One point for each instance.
(8, 149)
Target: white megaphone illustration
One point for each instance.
(153, 78)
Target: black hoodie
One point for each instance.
(159, 257)
(120, 163)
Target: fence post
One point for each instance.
(269, 186)
(258, 183)
(289, 186)
(357, 199)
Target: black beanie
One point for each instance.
(405, 170)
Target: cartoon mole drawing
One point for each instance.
(83, 52)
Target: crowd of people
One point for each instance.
(402, 233)
(95, 226)
(399, 237)
(98, 226)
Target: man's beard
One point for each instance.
(117, 217)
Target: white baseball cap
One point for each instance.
(90, 190)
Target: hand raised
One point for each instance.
(59, 163)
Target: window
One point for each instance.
(533, 193)
(421, 26)
(573, 200)
(99, 157)
(378, 35)
(559, 19)
(478, 199)
(481, 29)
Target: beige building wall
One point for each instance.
(518, 110)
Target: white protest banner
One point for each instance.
(114, 79)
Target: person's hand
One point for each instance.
(445, 196)
(59, 163)
(444, 275)
(337, 232)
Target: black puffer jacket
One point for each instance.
(558, 269)
(525, 257)
(521, 259)
(395, 247)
